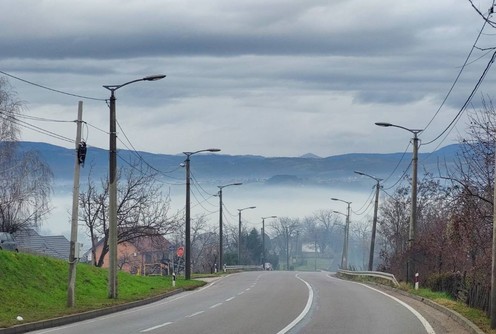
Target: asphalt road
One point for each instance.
(272, 303)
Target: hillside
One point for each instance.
(247, 168)
(35, 287)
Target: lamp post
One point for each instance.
(344, 259)
(263, 239)
(187, 269)
(413, 211)
(344, 240)
(112, 210)
(239, 231)
(221, 251)
(374, 222)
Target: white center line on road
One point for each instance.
(155, 327)
(194, 314)
(229, 299)
(214, 306)
(303, 313)
(240, 293)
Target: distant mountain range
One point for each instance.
(308, 169)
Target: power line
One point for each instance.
(462, 109)
(457, 77)
(197, 184)
(34, 127)
(200, 203)
(398, 164)
(140, 157)
(51, 89)
(42, 119)
(369, 200)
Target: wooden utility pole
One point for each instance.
(74, 221)
(493, 267)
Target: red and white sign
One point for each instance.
(180, 251)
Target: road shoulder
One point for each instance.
(443, 319)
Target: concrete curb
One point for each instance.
(467, 324)
(65, 320)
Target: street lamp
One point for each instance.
(374, 222)
(344, 258)
(187, 270)
(344, 239)
(413, 211)
(239, 231)
(112, 210)
(221, 251)
(263, 239)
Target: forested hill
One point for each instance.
(308, 169)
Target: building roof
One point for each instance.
(55, 246)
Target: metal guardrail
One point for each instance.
(379, 274)
(244, 267)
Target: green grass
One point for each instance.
(35, 287)
(478, 317)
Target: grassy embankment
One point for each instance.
(477, 317)
(35, 287)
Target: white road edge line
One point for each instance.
(155, 327)
(424, 322)
(305, 310)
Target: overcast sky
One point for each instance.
(263, 77)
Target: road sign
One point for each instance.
(180, 251)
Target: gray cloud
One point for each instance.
(252, 77)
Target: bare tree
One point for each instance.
(285, 228)
(25, 178)
(328, 221)
(393, 227)
(361, 235)
(142, 209)
(472, 191)
(205, 242)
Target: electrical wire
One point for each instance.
(143, 160)
(200, 203)
(51, 89)
(97, 128)
(42, 119)
(34, 127)
(458, 76)
(398, 164)
(401, 177)
(141, 171)
(227, 210)
(197, 184)
(467, 101)
(489, 12)
(369, 200)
